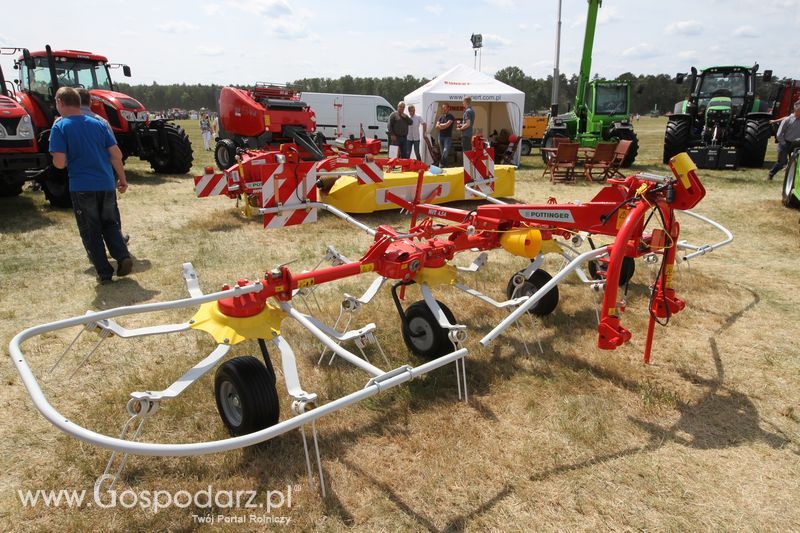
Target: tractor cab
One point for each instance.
(714, 83)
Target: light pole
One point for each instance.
(477, 43)
(556, 76)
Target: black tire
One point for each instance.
(548, 142)
(10, 188)
(790, 183)
(247, 400)
(319, 139)
(526, 147)
(178, 157)
(754, 145)
(676, 138)
(627, 134)
(547, 304)
(225, 153)
(597, 270)
(55, 185)
(423, 335)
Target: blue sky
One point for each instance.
(241, 41)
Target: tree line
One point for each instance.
(651, 91)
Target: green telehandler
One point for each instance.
(602, 108)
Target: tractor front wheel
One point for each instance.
(526, 147)
(627, 134)
(177, 158)
(55, 185)
(548, 141)
(756, 137)
(546, 304)
(247, 400)
(422, 333)
(676, 138)
(12, 187)
(788, 193)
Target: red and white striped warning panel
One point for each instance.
(369, 172)
(479, 171)
(210, 184)
(290, 188)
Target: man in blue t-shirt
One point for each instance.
(88, 150)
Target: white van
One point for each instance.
(371, 112)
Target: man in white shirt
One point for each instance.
(414, 133)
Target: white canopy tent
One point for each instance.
(497, 106)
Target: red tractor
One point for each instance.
(163, 144)
(19, 150)
(264, 118)
(786, 94)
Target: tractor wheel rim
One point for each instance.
(421, 333)
(231, 404)
(789, 185)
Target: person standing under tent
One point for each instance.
(415, 131)
(398, 130)
(467, 125)
(445, 126)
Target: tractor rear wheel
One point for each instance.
(676, 138)
(627, 134)
(55, 185)
(178, 157)
(225, 153)
(526, 147)
(756, 136)
(788, 197)
(247, 399)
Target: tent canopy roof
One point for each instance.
(463, 80)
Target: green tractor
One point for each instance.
(722, 123)
(790, 193)
(602, 108)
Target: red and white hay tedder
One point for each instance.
(640, 213)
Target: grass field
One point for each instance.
(705, 438)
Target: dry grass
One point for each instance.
(575, 438)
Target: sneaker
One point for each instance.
(769, 177)
(104, 281)
(124, 267)
(126, 237)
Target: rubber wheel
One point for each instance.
(548, 142)
(526, 147)
(178, 157)
(788, 197)
(55, 185)
(754, 147)
(8, 189)
(247, 400)
(225, 153)
(547, 303)
(676, 138)
(423, 335)
(597, 270)
(627, 134)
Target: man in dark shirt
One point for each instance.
(445, 126)
(89, 151)
(398, 130)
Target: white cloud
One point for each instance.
(495, 41)
(209, 51)
(176, 27)
(689, 55)
(745, 31)
(4, 40)
(436, 9)
(604, 16)
(502, 4)
(641, 51)
(684, 27)
(212, 9)
(426, 46)
(269, 8)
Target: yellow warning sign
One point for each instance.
(368, 267)
(305, 282)
(622, 214)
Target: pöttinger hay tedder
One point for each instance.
(639, 213)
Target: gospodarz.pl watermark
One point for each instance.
(216, 506)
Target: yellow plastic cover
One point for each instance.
(232, 330)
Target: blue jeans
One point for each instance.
(783, 156)
(415, 146)
(98, 221)
(445, 143)
(402, 146)
(466, 143)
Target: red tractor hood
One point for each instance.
(9, 108)
(118, 100)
